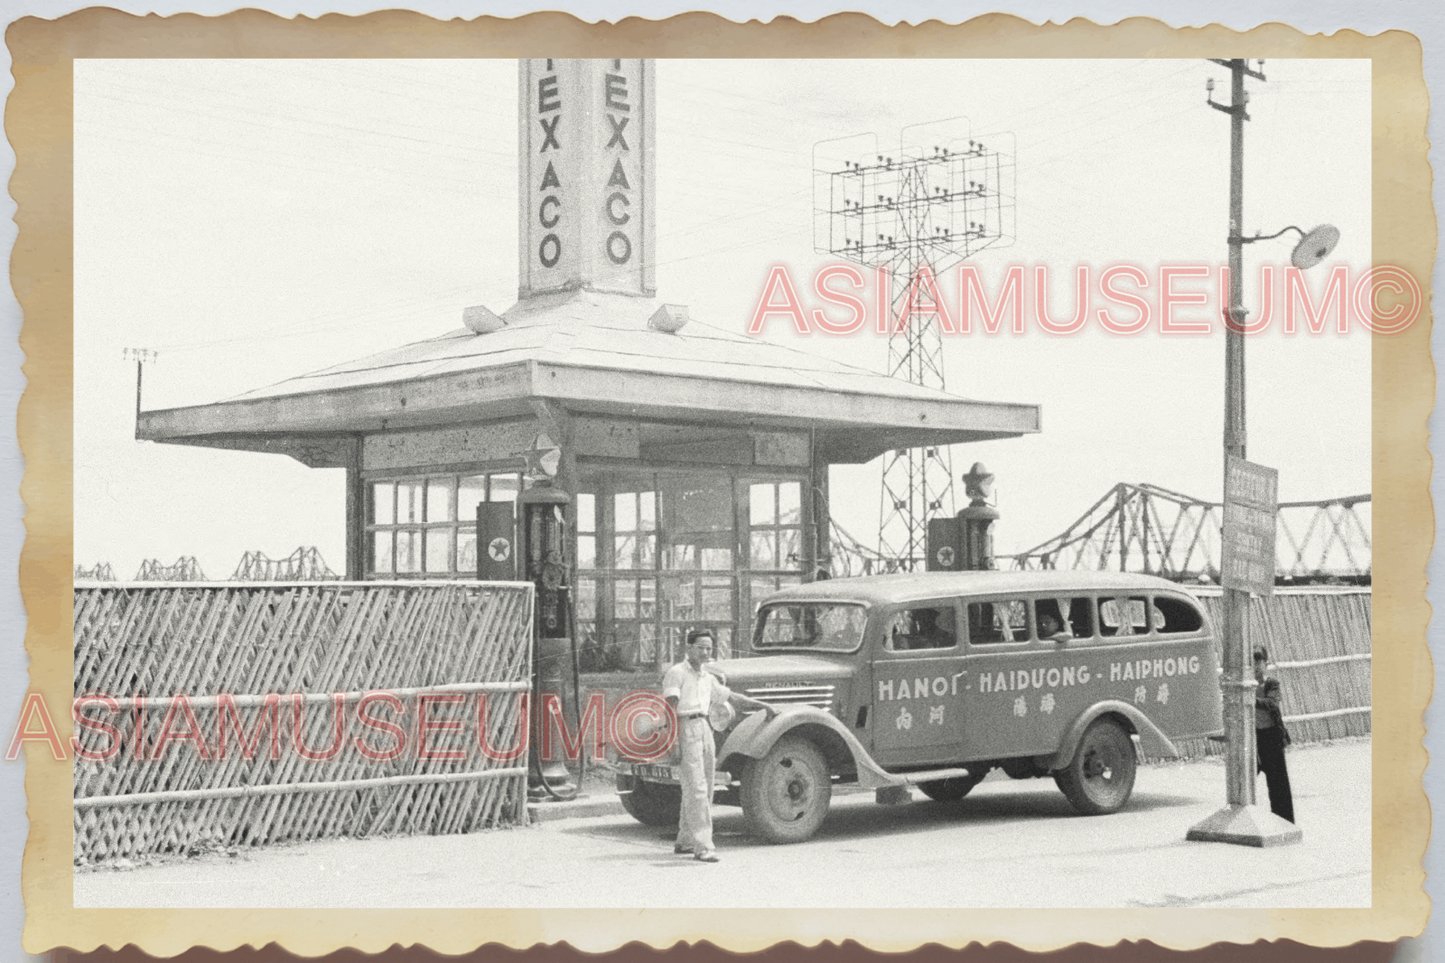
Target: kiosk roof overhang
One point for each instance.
(591, 354)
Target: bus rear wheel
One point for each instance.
(785, 794)
(1100, 777)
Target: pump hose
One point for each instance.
(536, 757)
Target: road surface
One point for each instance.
(1009, 844)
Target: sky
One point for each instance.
(253, 220)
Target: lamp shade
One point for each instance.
(1315, 246)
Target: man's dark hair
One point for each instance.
(1260, 653)
(696, 634)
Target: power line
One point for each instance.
(229, 119)
(173, 93)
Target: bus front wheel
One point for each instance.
(785, 794)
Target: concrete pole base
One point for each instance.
(1245, 826)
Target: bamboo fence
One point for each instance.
(1318, 640)
(178, 656)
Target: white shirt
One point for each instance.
(695, 689)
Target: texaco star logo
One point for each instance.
(500, 549)
(945, 556)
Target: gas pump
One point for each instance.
(965, 542)
(538, 528)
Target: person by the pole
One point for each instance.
(1271, 738)
(696, 695)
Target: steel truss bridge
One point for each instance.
(303, 565)
(185, 569)
(1151, 529)
(100, 572)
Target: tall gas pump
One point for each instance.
(965, 542)
(531, 542)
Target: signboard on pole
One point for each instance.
(1251, 504)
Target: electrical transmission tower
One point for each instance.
(919, 212)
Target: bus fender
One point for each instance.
(1151, 737)
(757, 734)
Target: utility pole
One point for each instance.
(1241, 821)
(141, 356)
(919, 212)
(1238, 679)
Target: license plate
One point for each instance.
(652, 771)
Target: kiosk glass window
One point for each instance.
(586, 525)
(697, 524)
(426, 525)
(441, 499)
(774, 539)
(471, 490)
(584, 605)
(381, 553)
(667, 551)
(634, 529)
(383, 503)
(775, 524)
(696, 583)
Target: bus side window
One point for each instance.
(1080, 614)
(895, 634)
(1173, 616)
(981, 627)
(1048, 620)
(1072, 615)
(1123, 616)
(990, 622)
(926, 627)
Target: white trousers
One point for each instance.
(699, 760)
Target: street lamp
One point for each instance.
(1313, 247)
(1241, 821)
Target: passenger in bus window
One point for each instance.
(1049, 620)
(1048, 626)
(928, 634)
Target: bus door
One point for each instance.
(1030, 671)
(918, 684)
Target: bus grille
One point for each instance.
(795, 695)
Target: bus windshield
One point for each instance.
(830, 626)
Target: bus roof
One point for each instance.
(912, 586)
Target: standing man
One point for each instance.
(1271, 737)
(693, 692)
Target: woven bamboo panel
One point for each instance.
(1308, 626)
(320, 647)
